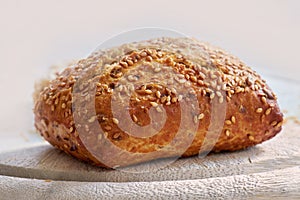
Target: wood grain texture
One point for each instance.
(268, 170)
(276, 184)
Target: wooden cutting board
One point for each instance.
(269, 170)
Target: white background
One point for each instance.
(37, 34)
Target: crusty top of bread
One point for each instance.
(216, 78)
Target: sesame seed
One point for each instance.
(115, 120)
(213, 76)
(71, 129)
(124, 64)
(66, 146)
(264, 100)
(163, 99)
(247, 89)
(149, 58)
(263, 117)
(201, 116)
(63, 106)
(180, 97)
(187, 76)
(116, 135)
(92, 119)
(251, 137)
(191, 91)
(168, 91)
(249, 81)
(279, 125)
(157, 69)
(157, 93)
(200, 82)
(202, 75)
(180, 76)
(195, 119)
(174, 99)
(148, 51)
(159, 54)
(154, 104)
(180, 80)
(227, 133)
(193, 78)
(99, 137)
(148, 91)
(233, 119)
(132, 78)
(218, 94)
(76, 134)
(213, 84)
(259, 110)
(224, 87)
(228, 122)
(158, 109)
(62, 84)
(168, 98)
(173, 90)
(239, 90)
(143, 54)
(187, 83)
(221, 100)
(274, 123)
(43, 123)
(268, 111)
(212, 95)
(105, 134)
(52, 108)
(129, 62)
(135, 119)
(168, 103)
(232, 82)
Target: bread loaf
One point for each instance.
(161, 98)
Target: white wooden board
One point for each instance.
(268, 170)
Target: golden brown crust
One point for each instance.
(219, 81)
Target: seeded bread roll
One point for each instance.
(165, 97)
